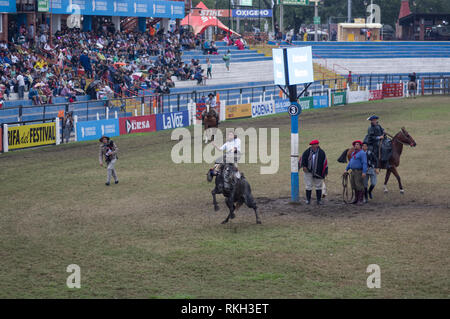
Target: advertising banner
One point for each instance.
(172, 120)
(127, 8)
(282, 106)
(238, 111)
(392, 90)
(31, 135)
(320, 101)
(244, 13)
(358, 96)
(338, 98)
(375, 95)
(92, 130)
(306, 103)
(263, 108)
(137, 124)
(7, 5)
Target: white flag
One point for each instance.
(273, 3)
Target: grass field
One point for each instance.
(156, 235)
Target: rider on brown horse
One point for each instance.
(211, 102)
(374, 137)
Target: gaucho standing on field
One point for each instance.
(108, 150)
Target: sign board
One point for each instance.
(43, 6)
(245, 3)
(238, 111)
(300, 66)
(31, 135)
(8, 6)
(338, 98)
(294, 2)
(124, 8)
(316, 20)
(167, 121)
(137, 124)
(306, 103)
(92, 130)
(244, 13)
(263, 108)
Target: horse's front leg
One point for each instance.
(230, 203)
(397, 175)
(386, 179)
(213, 193)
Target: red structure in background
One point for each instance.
(392, 90)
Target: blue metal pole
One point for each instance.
(294, 157)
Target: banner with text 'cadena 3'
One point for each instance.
(263, 108)
(338, 98)
(137, 124)
(92, 130)
(172, 120)
(238, 111)
(31, 135)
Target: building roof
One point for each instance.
(411, 17)
(361, 25)
(404, 9)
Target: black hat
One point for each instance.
(373, 117)
(210, 94)
(101, 138)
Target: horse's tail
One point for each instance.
(343, 157)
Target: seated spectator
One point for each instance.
(34, 96)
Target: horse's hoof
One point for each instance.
(224, 222)
(232, 215)
(216, 208)
(258, 222)
(402, 191)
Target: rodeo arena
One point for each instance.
(189, 150)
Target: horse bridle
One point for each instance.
(404, 143)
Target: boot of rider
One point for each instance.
(370, 190)
(360, 198)
(355, 200)
(366, 199)
(319, 196)
(308, 196)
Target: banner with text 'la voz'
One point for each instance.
(263, 108)
(93, 130)
(320, 101)
(31, 135)
(172, 120)
(137, 124)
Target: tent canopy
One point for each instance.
(200, 23)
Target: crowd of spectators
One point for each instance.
(103, 64)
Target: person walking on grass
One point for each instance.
(227, 60)
(315, 168)
(358, 167)
(108, 150)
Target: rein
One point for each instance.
(345, 193)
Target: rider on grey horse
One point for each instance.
(232, 149)
(374, 137)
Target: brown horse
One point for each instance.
(210, 124)
(400, 139)
(412, 88)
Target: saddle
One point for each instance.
(386, 149)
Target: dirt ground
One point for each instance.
(156, 234)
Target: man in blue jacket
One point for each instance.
(358, 165)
